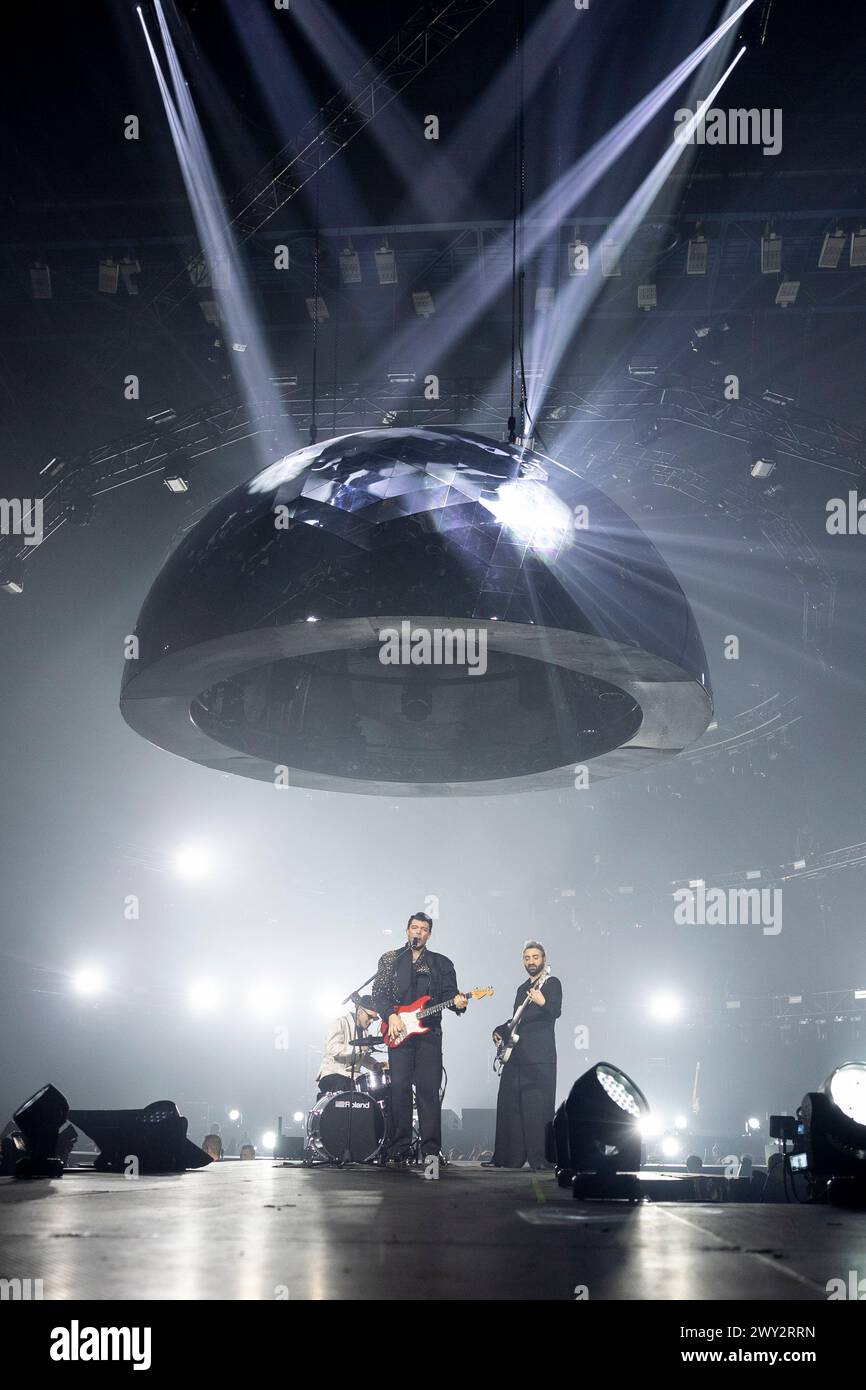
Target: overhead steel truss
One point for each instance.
(416, 44)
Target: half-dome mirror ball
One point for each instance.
(297, 626)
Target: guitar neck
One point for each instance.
(436, 1008)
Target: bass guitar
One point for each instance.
(506, 1046)
(412, 1015)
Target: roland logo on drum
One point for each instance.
(358, 1104)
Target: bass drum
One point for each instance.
(328, 1127)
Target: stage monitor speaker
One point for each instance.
(155, 1136)
(290, 1146)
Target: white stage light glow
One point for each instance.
(670, 1146)
(650, 1126)
(192, 862)
(204, 995)
(298, 1117)
(269, 1139)
(328, 1004)
(666, 1008)
(88, 981)
(234, 1116)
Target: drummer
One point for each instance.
(335, 1073)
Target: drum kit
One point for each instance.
(350, 1126)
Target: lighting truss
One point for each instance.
(411, 50)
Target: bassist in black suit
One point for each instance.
(527, 1085)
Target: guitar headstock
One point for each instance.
(480, 993)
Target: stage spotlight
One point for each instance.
(269, 1139)
(234, 1116)
(129, 267)
(831, 251)
(696, 256)
(298, 1117)
(176, 482)
(610, 254)
(192, 862)
(88, 981)
(109, 276)
(681, 1122)
(155, 1136)
(386, 265)
(787, 293)
(12, 578)
(762, 468)
(595, 1131)
(204, 995)
(666, 1008)
(857, 255)
(423, 301)
(647, 297)
(833, 1144)
(670, 1146)
(40, 280)
(40, 1120)
(771, 254)
(350, 267)
(752, 1123)
(846, 1087)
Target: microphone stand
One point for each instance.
(354, 998)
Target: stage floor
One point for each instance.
(260, 1231)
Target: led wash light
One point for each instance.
(595, 1134)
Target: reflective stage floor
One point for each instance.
(259, 1231)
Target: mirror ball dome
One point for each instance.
(418, 612)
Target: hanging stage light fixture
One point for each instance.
(368, 614)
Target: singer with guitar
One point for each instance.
(526, 1051)
(402, 977)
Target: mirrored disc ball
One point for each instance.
(418, 612)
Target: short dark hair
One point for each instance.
(420, 917)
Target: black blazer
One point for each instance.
(395, 983)
(536, 1024)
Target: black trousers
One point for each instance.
(333, 1081)
(418, 1062)
(525, 1104)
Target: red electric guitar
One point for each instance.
(412, 1015)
